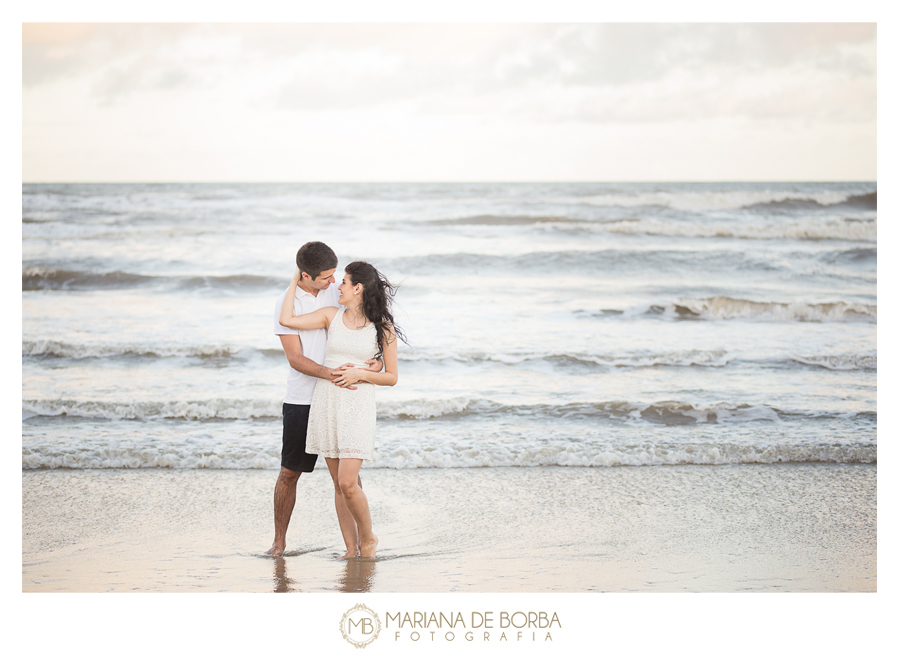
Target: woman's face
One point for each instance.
(348, 291)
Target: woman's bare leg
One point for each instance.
(358, 504)
(345, 519)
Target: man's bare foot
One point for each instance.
(367, 548)
(275, 551)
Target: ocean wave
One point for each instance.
(219, 355)
(505, 220)
(50, 349)
(675, 359)
(859, 201)
(854, 230)
(840, 362)
(38, 278)
(710, 358)
(861, 256)
(583, 261)
(734, 200)
(123, 455)
(233, 282)
(49, 278)
(570, 454)
(664, 412)
(192, 410)
(727, 308)
(453, 454)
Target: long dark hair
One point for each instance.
(378, 294)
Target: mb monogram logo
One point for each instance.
(360, 626)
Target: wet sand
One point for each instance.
(747, 528)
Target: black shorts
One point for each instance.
(293, 439)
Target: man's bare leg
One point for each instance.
(285, 497)
(358, 504)
(349, 531)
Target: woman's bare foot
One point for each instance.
(349, 555)
(367, 548)
(275, 551)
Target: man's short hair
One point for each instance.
(316, 257)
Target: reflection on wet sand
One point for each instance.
(282, 582)
(358, 576)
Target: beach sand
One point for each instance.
(742, 528)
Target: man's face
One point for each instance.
(325, 279)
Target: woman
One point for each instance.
(341, 421)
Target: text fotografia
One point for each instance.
(480, 626)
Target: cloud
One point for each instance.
(51, 51)
(614, 54)
(598, 73)
(540, 72)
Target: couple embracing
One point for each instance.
(336, 339)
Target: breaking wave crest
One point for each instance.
(664, 412)
(40, 278)
(221, 355)
(51, 349)
(840, 362)
(711, 358)
(727, 308)
(182, 410)
(684, 358)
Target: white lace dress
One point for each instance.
(341, 421)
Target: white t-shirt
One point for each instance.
(300, 387)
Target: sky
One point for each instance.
(156, 102)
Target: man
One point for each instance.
(305, 352)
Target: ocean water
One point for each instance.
(581, 324)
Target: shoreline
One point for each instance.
(735, 528)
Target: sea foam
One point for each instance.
(449, 454)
